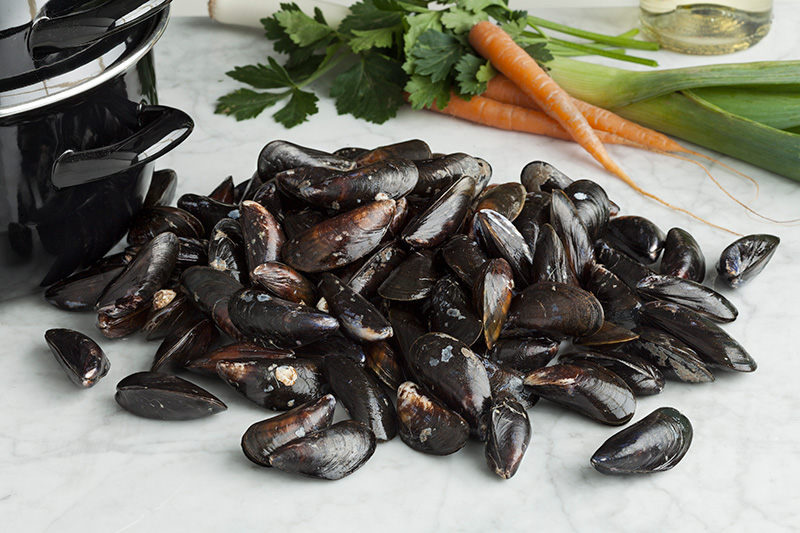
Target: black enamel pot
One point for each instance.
(78, 144)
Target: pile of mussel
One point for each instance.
(430, 304)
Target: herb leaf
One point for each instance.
(246, 103)
(435, 54)
(473, 74)
(423, 92)
(366, 39)
(302, 29)
(370, 89)
(301, 105)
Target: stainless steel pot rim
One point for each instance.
(75, 82)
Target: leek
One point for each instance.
(779, 109)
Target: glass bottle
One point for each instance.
(711, 27)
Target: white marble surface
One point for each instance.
(72, 460)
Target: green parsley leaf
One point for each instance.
(301, 105)
(539, 51)
(422, 92)
(435, 53)
(371, 15)
(260, 76)
(461, 20)
(477, 6)
(371, 89)
(367, 39)
(417, 25)
(473, 74)
(245, 103)
(302, 29)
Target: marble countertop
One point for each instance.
(72, 460)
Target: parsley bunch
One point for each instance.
(385, 51)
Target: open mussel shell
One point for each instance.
(340, 240)
(542, 176)
(442, 218)
(427, 425)
(285, 282)
(492, 295)
(275, 322)
(280, 155)
(644, 378)
(637, 236)
(592, 205)
(277, 384)
(358, 317)
(691, 294)
(683, 256)
(184, 344)
(330, 453)
(453, 373)
(266, 436)
(745, 258)
(143, 276)
(362, 396)
(163, 396)
(451, 312)
(206, 363)
(411, 280)
(509, 435)
(654, 444)
(713, 345)
(557, 309)
(501, 239)
(673, 358)
(84, 362)
(465, 258)
(578, 244)
(588, 388)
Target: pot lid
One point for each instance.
(83, 68)
(60, 36)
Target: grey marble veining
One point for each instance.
(72, 460)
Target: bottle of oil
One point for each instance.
(711, 27)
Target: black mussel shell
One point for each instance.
(162, 188)
(609, 334)
(557, 309)
(143, 276)
(226, 249)
(683, 257)
(542, 176)
(263, 235)
(427, 425)
(335, 346)
(331, 453)
(116, 328)
(505, 199)
(80, 291)
(383, 359)
(362, 396)
(275, 322)
(588, 388)
(592, 205)
(281, 155)
(454, 374)
(636, 236)
(223, 192)
(207, 210)
(170, 311)
(626, 268)
(509, 435)
(207, 287)
(350, 152)
(184, 344)
(411, 280)
(691, 294)
(358, 317)
(340, 240)
(206, 363)
(524, 354)
(285, 282)
(578, 244)
(550, 262)
(673, 358)
(160, 219)
(266, 436)
(644, 378)
(713, 345)
(499, 238)
(745, 258)
(492, 296)
(442, 218)
(84, 362)
(407, 328)
(163, 396)
(620, 302)
(247, 189)
(297, 221)
(413, 149)
(504, 380)
(277, 384)
(268, 196)
(535, 214)
(464, 257)
(439, 173)
(451, 312)
(366, 280)
(655, 443)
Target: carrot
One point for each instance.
(504, 90)
(494, 44)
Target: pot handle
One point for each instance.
(163, 128)
(82, 28)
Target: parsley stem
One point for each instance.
(596, 50)
(622, 42)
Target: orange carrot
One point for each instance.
(508, 57)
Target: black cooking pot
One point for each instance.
(77, 146)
